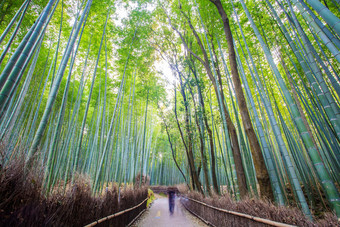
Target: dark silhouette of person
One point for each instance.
(172, 196)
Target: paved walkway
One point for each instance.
(159, 215)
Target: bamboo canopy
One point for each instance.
(237, 98)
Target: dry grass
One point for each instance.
(255, 207)
(182, 188)
(144, 182)
(23, 203)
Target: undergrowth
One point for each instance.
(151, 197)
(23, 203)
(255, 207)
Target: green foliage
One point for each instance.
(138, 49)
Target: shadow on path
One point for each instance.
(159, 215)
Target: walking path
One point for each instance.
(159, 215)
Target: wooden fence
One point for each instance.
(215, 216)
(163, 189)
(133, 213)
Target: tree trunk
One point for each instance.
(260, 167)
(241, 179)
(188, 147)
(201, 136)
(211, 140)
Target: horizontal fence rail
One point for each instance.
(116, 214)
(215, 216)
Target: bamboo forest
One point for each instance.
(109, 106)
